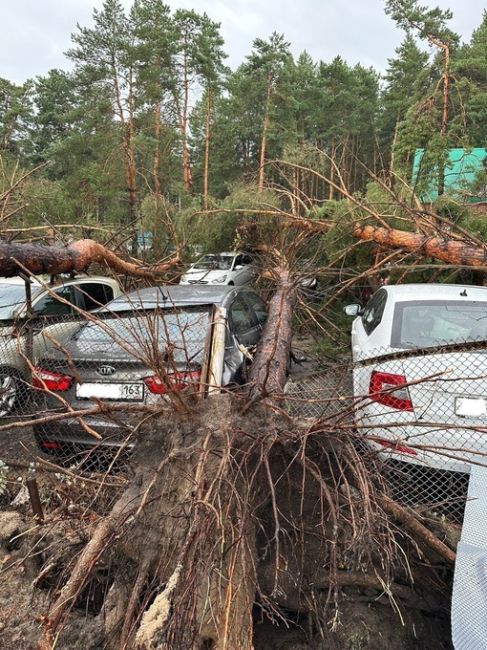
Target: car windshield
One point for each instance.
(178, 335)
(12, 296)
(430, 323)
(215, 262)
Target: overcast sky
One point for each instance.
(35, 33)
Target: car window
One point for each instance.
(12, 297)
(428, 323)
(241, 317)
(48, 305)
(95, 294)
(374, 310)
(179, 334)
(214, 262)
(259, 307)
(243, 260)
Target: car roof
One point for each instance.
(59, 280)
(432, 291)
(175, 295)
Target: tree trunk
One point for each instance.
(204, 552)
(269, 370)
(263, 142)
(332, 170)
(157, 150)
(447, 250)
(128, 141)
(75, 258)
(183, 126)
(206, 166)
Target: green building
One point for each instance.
(461, 174)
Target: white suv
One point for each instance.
(84, 292)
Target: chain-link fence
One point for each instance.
(422, 412)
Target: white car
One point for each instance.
(85, 292)
(221, 268)
(420, 374)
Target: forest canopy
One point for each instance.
(149, 125)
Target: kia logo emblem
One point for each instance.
(105, 370)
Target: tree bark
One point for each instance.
(447, 250)
(157, 149)
(263, 142)
(269, 370)
(206, 166)
(77, 257)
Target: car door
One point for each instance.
(243, 323)
(259, 308)
(243, 332)
(54, 316)
(48, 304)
(245, 273)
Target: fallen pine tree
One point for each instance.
(233, 502)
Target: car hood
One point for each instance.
(198, 275)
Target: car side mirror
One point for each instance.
(353, 310)
(238, 267)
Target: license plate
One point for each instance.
(470, 407)
(120, 392)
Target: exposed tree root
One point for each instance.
(419, 531)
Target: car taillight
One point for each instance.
(174, 381)
(47, 380)
(50, 444)
(385, 388)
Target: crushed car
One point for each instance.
(138, 349)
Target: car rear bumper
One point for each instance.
(54, 436)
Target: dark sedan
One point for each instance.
(139, 348)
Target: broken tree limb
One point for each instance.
(75, 258)
(440, 248)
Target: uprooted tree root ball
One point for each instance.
(222, 532)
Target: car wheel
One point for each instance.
(9, 391)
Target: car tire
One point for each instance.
(10, 391)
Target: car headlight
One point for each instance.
(220, 279)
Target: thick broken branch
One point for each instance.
(440, 248)
(76, 257)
